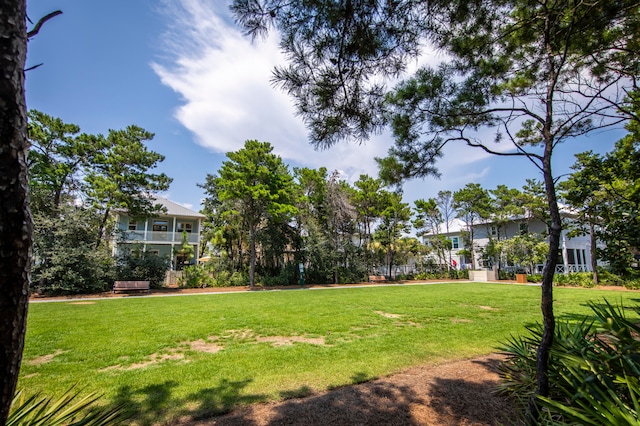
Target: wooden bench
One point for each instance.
(377, 278)
(132, 286)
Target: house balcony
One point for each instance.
(159, 237)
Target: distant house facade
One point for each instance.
(162, 234)
(574, 253)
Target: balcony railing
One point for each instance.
(151, 236)
(560, 269)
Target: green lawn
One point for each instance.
(159, 353)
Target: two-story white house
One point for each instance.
(161, 234)
(574, 254)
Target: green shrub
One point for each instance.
(195, 276)
(142, 265)
(287, 275)
(574, 279)
(405, 277)
(633, 284)
(238, 279)
(534, 278)
(609, 278)
(435, 274)
(65, 257)
(593, 369)
(506, 275)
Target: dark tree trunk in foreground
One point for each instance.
(15, 217)
(546, 305)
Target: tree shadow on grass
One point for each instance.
(147, 404)
(368, 404)
(218, 399)
(152, 404)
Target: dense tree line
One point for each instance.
(76, 181)
(265, 220)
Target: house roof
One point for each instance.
(456, 225)
(175, 209)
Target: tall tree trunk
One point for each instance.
(546, 304)
(548, 319)
(15, 217)
(594, 260)
(252, 256)
(103, 225)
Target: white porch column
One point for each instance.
(587, 265)
(173, 233)
(146, 236)
(565, 256)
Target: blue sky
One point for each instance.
(182, 70)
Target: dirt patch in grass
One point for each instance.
(156, 359)
(205, 346)
(461, 320)
(46, 358)
(488, 308)
(238, 335)
(149, 361)
(457, 393)
(290, 340)
(388, 315)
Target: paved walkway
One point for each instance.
(175, 291)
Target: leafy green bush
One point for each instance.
(66, 260)
(462, 274)
(132, 265)
(631, 279)
(238, 279)
(574, 279)
(534, 278)
(506, 275)
(609, 278)
(195, 276)
(452, 274)
(404, 277)
(633, 284)
(593, 369)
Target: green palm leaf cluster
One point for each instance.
(70, 409)
(594, 369)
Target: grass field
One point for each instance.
(203, 354)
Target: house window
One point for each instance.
(160, 226)
(184, 227)
(494, 230)
(133, 225)
(524, 228)
(455, 242)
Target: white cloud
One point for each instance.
(224, 80)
